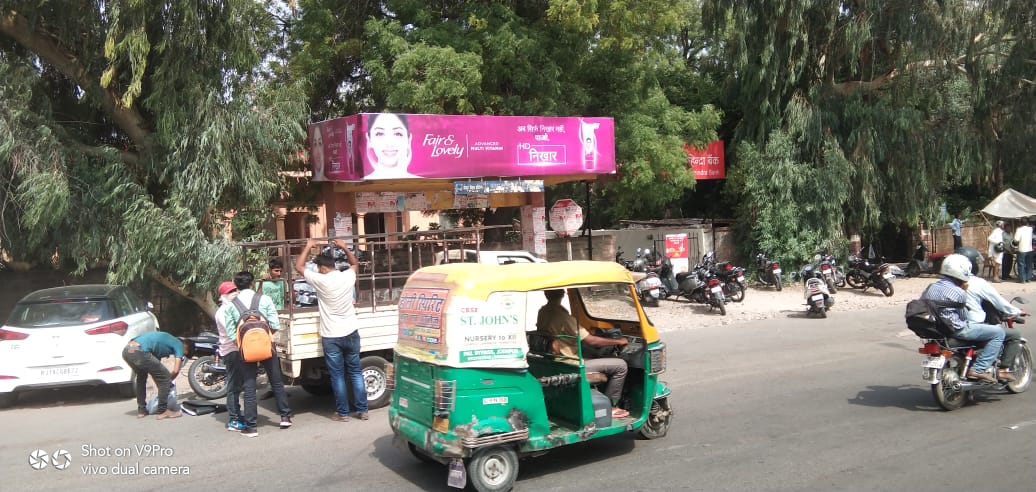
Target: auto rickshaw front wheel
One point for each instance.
(657, 423)
(493, 469)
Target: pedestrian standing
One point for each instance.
(338, 334)
(996, 249)
(1009, 251)
(956, 226)
(1024, 237)
(144, 354)
(250, 370)
(231, 357)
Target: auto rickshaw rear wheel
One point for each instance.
(419, 454)
(657, 423)
(493, 468)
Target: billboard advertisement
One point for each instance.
(376, 146)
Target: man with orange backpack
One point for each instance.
(251, 320)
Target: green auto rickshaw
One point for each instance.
(477, 386)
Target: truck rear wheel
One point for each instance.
(374, 370)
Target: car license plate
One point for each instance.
(934, 362)
(817, 297)
(59, 371)
(776, 270)
(717, 290)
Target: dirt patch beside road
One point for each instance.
(765, 303)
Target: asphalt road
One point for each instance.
(781, 404)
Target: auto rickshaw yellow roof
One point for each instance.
(521, 277)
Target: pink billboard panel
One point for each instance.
(708, 162)
(374, 146)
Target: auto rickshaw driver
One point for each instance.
(554, 320)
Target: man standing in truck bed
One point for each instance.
(338, 335)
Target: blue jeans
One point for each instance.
(232, 361)
(993, 335)
(342, 357)
(1025, 266)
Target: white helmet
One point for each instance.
(956, 266)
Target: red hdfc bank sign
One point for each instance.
(707, 162)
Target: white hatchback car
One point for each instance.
(71, 336)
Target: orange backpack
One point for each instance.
(254, 338)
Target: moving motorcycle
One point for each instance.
(767, 271)
(863, 274)
(948, 359)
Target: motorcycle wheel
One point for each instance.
(855, 281)
(777, 282)
(831, 286)
(945, 395)
(722, 308)
(1022, 371)
(657, 423)
(205, 384)
(886, 288)
(738, 294)
(841, 281)
(823, 312)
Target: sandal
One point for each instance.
(618, 413)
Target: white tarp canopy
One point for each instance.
(1010, 205)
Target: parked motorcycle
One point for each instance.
(818, 299)
(207, 375)
(947, 361)
(732, 278)
(647, 283)
(863, 274)
(767, 271)
(701, 285)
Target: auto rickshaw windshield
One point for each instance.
(609, 301)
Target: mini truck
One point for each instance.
(386, 260)
(477, 386)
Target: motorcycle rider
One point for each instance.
(952, 287)
(981, 292)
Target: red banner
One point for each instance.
(708, 163)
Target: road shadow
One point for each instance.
(432, 476)
(908, 397)
(70, 396)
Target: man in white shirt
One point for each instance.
(1024, 237)
(338, 335)
(996, 249)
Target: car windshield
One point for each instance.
(60, 313)
(610, 301)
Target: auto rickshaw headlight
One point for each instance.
(656, 357)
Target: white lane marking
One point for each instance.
(1019, 425)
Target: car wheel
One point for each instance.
(8, 399)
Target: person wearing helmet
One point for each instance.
(986, 305)
(956, 272)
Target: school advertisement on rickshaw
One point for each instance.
(372, 146)
(464, 332)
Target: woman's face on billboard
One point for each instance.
(389, 138)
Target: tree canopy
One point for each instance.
(133, 133)
(130, 129)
